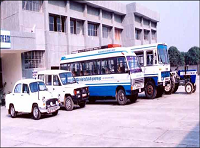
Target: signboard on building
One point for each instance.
(5, 39)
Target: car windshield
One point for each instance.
(133, 63)
(34, 86)
(67, 78)
(162, 54)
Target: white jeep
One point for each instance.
(31, 96)
(63, 85)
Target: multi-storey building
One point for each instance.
(35, 34)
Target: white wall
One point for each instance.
(11, 69)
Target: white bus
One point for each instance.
(111, 72)
(153, 59)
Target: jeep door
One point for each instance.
(57, 88)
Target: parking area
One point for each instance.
(172, 120)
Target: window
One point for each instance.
(34, 86)
(146, 34)
(56, 81)
(96, 67)
(75, 69)
(138, 19)
(18, 88)
(86, 68)
(146, 22)
(92, 29)
(153, 34)
(48, 79)
(118, 18)
(57, 23)
(140, 56)
(153, 24)
(106, 31)
(106, 15)
(34, 59)
(32, 5)
(41, 77)
(25, 88)
(122, 65)
(150, 58)
(137, 34)
(92, 11)
(118, 34)
(76, 6)
(76, 26)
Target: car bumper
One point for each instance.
(49, 109)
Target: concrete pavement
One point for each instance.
(169, 121)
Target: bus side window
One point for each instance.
(96, 67)
(140, 56)
(121, 64)
(41, 77)
(150, 58)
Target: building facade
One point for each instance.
(41, 32)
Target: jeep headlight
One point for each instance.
(44, 101)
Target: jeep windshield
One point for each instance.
(133, 63)
(37, 86)
(67, 78)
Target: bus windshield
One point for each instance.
(34, 86)
(67, 78)
(162, 54)
(134, 66)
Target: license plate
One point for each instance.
(50, 110)
(84, 95)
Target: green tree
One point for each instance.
(193, 56)
(182, 59)
(175, 57)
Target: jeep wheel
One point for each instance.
(82, 104)
(69, 104)
(121, 97)
(13, 113)
(36, 112)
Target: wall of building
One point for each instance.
(11, 69)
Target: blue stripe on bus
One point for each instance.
(143, 47)
(150, 74)
(64, 58)
(107, 90)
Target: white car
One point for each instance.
(31, 96)
(63, 85)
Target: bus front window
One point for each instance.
(67, 78)
(134, 65)
(162, 54)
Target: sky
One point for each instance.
(179, 22)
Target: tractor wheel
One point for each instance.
(188, 88)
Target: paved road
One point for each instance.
(172, 120)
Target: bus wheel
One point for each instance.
(121, 97)
(150, 90)
(188, 87)
(133, 98)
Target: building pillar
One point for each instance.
(142, 33)
(100, 28)
(150, 35)
(85, 26)
(113, 30)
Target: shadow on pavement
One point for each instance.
(192, 138)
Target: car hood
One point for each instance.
(45, 94)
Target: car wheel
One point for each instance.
(121, 97)
(36, 112)
(82, 104)
(188, 87)
(55, 113)
(150, 90)
(13, 113)
(133, 98)
(69, 104)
